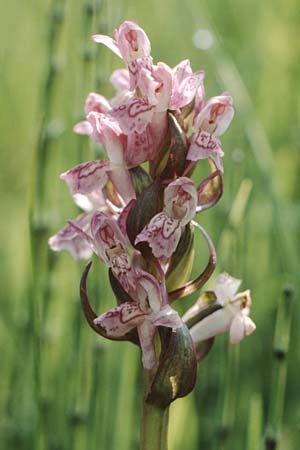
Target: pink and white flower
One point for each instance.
(86, 182)
(211, 122)
(132, 45)
(165, 229)
(130, 131)
(232, 317)
(146, 314)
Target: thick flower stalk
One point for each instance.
(140, 223)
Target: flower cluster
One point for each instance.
(139, 222)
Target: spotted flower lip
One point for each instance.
(232, 317)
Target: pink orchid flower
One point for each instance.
(86, 182)
(132, 45)
(232, 317)
(165, 229)
(212, 121)
(126, 145)
(146, 314)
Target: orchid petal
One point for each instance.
(96, 103)
(120, 80)
(167, 317)
(203, 145)
(133, 115)
(146, 333)
(162, 234)
(107, 131)
(150, 291)
(148, 86)
(216, 115)
(163, 76)
(200, 95)
(72, 240)
(250, 326)
(108, 42)
(121, 319)
(83, 127)
(132, 41)
(241, 327)
(139, 148)
(185, 85)
(121, 179)
(90, 202)
(226, 287)
(135, 67)
(86, 177)
(216, 323)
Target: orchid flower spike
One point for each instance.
(233, 316)
(140, 223)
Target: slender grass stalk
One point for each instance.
(230, 247)
(38, 226)
(254, 431)
(279, 372)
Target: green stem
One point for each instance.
(154, 427)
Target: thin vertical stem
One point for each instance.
(38, 224)
(279, 372)
(154, 426)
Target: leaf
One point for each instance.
(177, 158)
(195, 284)
(177, 369)
(140, 179)
(149, 203)
(121, 295)
(157, 166)
(204, 306)
(210, 189)
(203, 348)
(181, 262)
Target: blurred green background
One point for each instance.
(61, 386)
